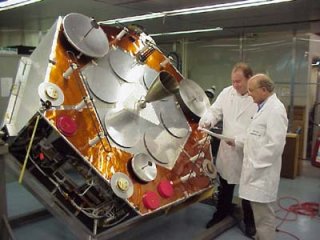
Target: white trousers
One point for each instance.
(265, 220)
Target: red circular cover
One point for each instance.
(66, 125)
(151, 200)
(165, 189)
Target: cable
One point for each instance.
(306, 208)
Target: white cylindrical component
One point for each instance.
(202, 141)
(197, 156)
(188, 176)
(81, 105)
(122, 33)
(164, 62)
(70, 70)
(96, 139)
(142, 104)
(79, 55)
(94, 62)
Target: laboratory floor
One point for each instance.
(188, 223)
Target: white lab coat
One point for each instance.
(236, 111)
(263, 149)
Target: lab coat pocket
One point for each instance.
(256, 139)
(258, 174)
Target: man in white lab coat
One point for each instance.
(263, 147)
(235, 108)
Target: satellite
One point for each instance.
(106, 127)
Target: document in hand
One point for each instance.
(220, 136)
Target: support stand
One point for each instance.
(5, 229)
(6, 224)
(221, 227)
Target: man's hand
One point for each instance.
(231, 143)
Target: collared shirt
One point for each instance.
(261, 105)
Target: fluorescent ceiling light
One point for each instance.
(8, 4)
(195, 10)
(186, 32)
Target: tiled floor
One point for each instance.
(188, 223)
(305, 188)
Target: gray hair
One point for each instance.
(264, 81)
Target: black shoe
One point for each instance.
(215, 220)
(250, 230)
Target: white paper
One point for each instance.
(217, 135)
(6, 84)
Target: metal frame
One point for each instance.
(58, 211)
(5, 229)
(74, 225)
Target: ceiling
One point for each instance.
(299, 15)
